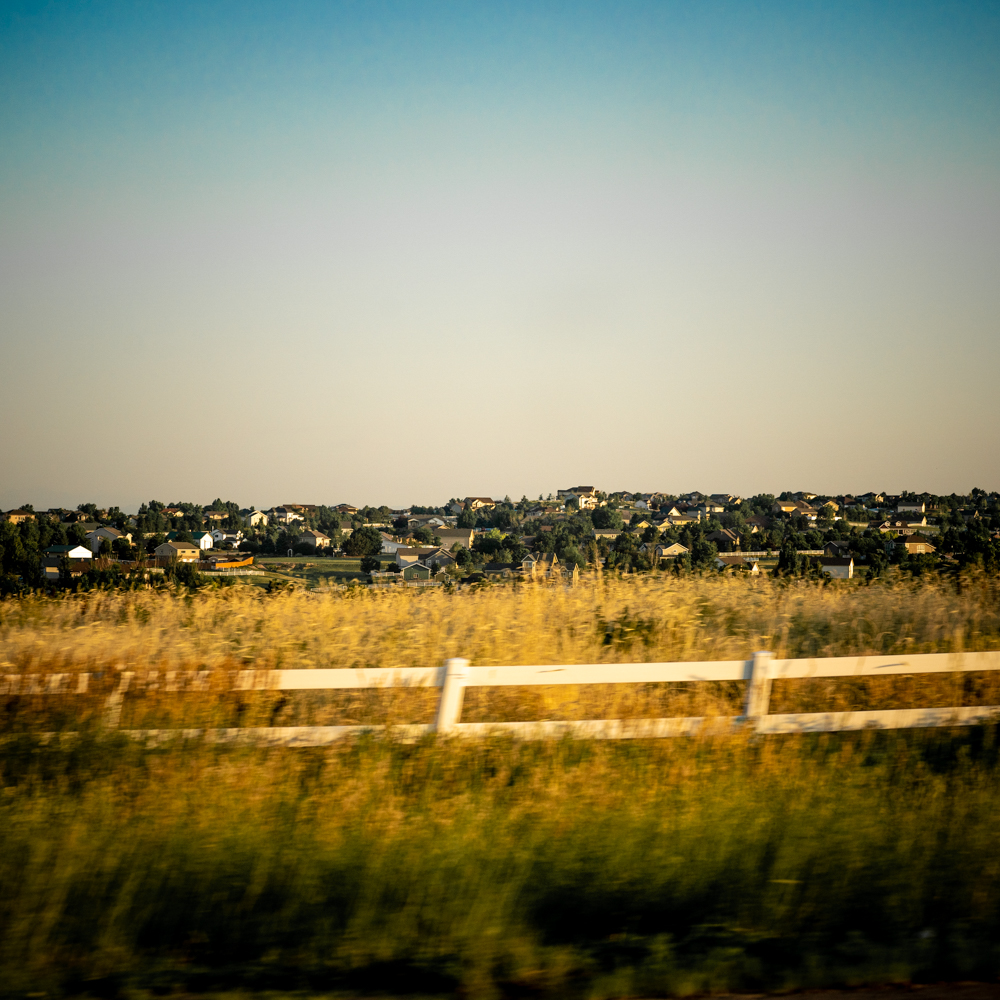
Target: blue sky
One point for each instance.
(399, 252)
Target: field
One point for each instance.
(310, 572)
(493, 868)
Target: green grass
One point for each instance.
(499, 869)
(317, 571)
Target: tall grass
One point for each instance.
(652, 618)
(574, 869)
(492, 868)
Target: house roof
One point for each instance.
(58, 550)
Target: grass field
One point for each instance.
(312, 572)
(492, 868)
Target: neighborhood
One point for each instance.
(477, 538)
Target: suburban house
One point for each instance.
(478, 503)
(203, 539)
(314, 538)
(253, 517)
(216, 516)
(709, 507)
(662, 550)
(415, 521)
(679, 520)
(285, 515)
(19, 516)
(838, 568)
(220, 537)
(585, 497)
(416, 571)
(609, 533)
(440, 558)
(181, 551)
(345, 508)
(453, 536)
(406, 556)
(669, 551)
(724, 537)
(793, 507)
(900, 527)
(75, 553)
(911, 507)
(915, 545)
(391, 545)
(99, 536)
(78, 556)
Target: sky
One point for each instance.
(402, 252)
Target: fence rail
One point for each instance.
(457, 674)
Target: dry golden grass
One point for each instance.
(609, 620)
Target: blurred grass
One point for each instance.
(491, 868)
(500, 869)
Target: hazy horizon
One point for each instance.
(392, 253)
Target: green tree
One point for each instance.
(605, 518)
(364, 541)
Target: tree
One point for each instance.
(788, 560)
(605, 518)
(364, 541)
(369, 564)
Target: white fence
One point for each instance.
(457, 674)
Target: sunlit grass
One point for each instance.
(562, 869)
(492, 868)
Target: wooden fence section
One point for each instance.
(457, 674)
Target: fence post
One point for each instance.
(113, 706)
(452, 691)
(758, 686)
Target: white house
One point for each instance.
(391, 545)
(284, 515)
(203, 539)
(253, 517)
(220, 537)
(911, 507)
(838, 569)
(78, 556)
(315, 538)
(99, 536)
